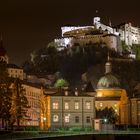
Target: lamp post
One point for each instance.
(105, 122)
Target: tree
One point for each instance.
(5, 94)
(136, 50)
(19, 104)
(61, 83)
(43, 106)
(107, 113)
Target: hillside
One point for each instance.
(90, 59)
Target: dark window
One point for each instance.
(88, 119)
(77, 119)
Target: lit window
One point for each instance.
(55, 118)
(88, 119)
(77, 119)
(101, 104)
(55, 105)
(88, 105)
(67, 118)
(76, 105)
(66, 105)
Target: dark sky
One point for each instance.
(28, 25)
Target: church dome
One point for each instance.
(108, 81)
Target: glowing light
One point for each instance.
(105, 120)
(67, 41)
(44, 119)
(100, 94)
(101, 104)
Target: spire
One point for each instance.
(108, 66)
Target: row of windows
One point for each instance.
(34, 104)
(33, 115)
(33, 94)
(16, 76)
(101, 104)
(67, 105)
(16, 71)
(67, 118)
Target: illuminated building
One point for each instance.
(109, 35)
(109, 94)
(135, 106)
(88, 35)
(67, 109)
(15, 71)
(135, 111)
(33, 94)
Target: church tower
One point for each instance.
(3, 53)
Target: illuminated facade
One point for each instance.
(15, 71)
(85, 34)
(33, 94)
(68, 109)
(109, 94)
(135, 110)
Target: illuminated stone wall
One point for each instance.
(110, 41)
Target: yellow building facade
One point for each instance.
(109, 94)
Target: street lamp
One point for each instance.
(105, 122)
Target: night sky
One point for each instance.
(28, 25)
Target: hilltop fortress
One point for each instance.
(99, 33)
